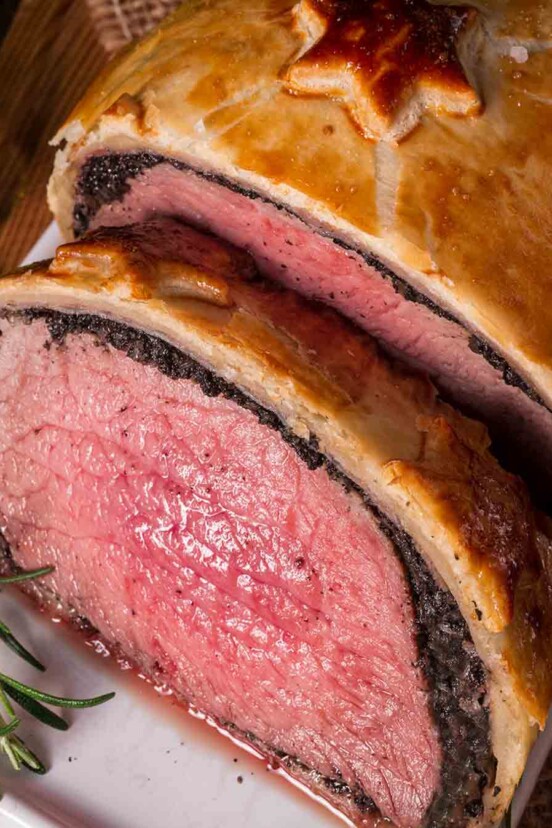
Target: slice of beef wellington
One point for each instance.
(239, 491)
(387, 158)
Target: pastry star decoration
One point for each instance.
(387, 60)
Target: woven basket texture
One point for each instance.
(120, 21)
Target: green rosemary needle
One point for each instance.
(30, 575)
(11, 641)
(10, 727)
(29, 698)
(37, 710)
(6, 703)
(57, 701)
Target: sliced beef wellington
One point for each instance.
(388, 158)
(251, 502)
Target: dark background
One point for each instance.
(49, 53)
(7, 11)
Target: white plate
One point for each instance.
(139, 761)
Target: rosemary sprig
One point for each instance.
(30, 698)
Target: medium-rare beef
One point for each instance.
(298, 538)
(118, 189)
(438, 244)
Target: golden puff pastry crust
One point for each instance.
(433, 154)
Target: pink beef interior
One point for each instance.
(287, 250)
(197, 539)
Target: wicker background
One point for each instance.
(41, 77)
(119, 21)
